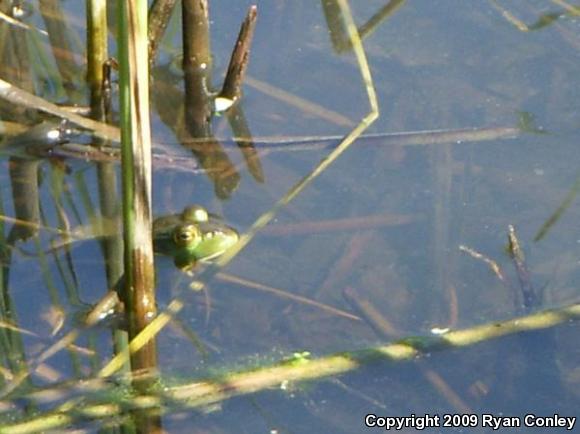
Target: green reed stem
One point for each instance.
(136, 169)
(96, 48)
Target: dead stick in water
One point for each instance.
(367, 222)
(240, 56)
(530, 297)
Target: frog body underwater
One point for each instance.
(192, 236)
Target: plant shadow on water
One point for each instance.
(365, 255)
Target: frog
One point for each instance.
(192, 236)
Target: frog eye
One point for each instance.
(195, 213)
(186, 235)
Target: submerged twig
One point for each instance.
(490, 262)
(286, 295)
(544, 20)
(26, 99)
(15, 22)
(530, 297)
(371, 316)
(553, 219)
(366, 222)
(406, 138)
(304, 105)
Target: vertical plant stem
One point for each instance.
(97, 55)
(196, 66)
(112, 244)
(96, 51)
(136, 166)
(198, 101)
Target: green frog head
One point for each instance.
(192, 236)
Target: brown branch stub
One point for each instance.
(240, 57)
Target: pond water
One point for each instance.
(385, 221)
